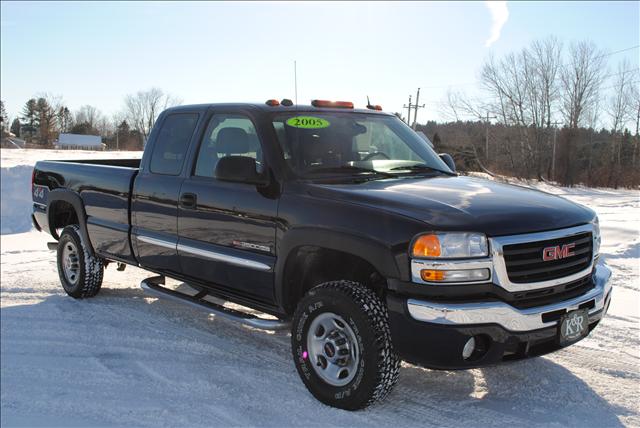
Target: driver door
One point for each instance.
(227, 230)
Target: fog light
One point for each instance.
(468, 349)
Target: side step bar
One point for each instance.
(154, 286)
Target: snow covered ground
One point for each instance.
(123, 359)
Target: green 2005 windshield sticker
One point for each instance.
(308, 122)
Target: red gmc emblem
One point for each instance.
(558, 252)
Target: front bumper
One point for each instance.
(433, 334)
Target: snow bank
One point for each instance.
(16, 167)
(15, 192)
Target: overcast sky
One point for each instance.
(95, 53)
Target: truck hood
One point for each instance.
(463, 204)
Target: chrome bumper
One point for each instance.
(507, 316)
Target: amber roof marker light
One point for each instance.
(370, 106)
(273, 103)
(332, 104)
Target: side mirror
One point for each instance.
(446, 158)
(239, 169)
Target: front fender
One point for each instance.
(376, 253)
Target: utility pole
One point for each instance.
(486, 136)
(417, 106)
(553, 151)
(408, 107)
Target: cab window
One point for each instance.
(227, 135)
(172, 143)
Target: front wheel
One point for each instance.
(342, 346)
(80, 273)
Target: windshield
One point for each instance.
(316, 144)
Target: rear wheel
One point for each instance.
(342, 347)
(80, 273)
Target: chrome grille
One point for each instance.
(524, 262)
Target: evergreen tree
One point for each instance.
(47, 121)
(65, 119)
(15, 127)
(83, 128)
(3, 119)
(30, 118)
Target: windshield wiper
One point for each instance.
(349, 168)
(420, 167)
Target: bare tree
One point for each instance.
(541, 68)
(143, 108)
(89, 115)
(619, 106)
(545, 56)
(581, 81)
(507, 82)
(48, 106)
(619, 110)
(634, 107)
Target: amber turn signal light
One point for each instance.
(432, 275)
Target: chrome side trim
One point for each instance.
(500, 275)
(219, 257)
(156, 241)
(507, 316)
(419, 264)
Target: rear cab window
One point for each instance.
(172, 143)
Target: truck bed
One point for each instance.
(127, 163)
(104, 188)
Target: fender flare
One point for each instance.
(376, 253)
(76, 202)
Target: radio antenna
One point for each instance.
(295, 80)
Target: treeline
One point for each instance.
(44, 117)
(548, 113)
(583, 155)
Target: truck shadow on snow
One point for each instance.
(153, 341)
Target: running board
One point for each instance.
(154, 286)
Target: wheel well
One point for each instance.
(61, 214)
(308, 266)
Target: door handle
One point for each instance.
(188, 200)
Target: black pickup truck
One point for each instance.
(340, 224)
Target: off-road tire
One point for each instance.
(91, 268)
(367, 316)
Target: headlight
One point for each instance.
(453, 245)
(596, 236)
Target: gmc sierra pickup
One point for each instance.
(341, 224)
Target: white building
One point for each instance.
(79, 142)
